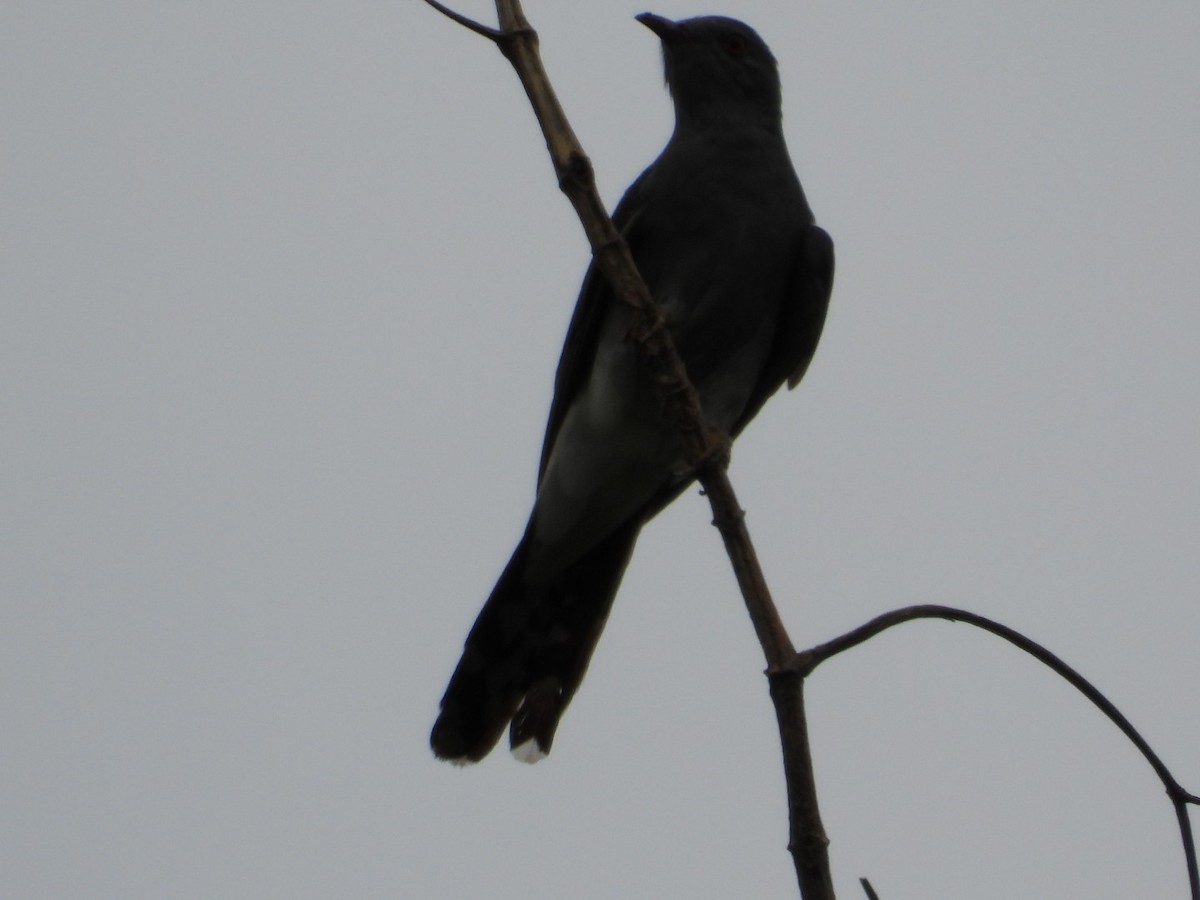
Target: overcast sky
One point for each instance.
(284, 286)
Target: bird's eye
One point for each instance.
(735, 44)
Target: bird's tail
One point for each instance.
(528, 652)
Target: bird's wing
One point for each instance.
(802, 316)
(579, 348)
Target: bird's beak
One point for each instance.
(666, 30)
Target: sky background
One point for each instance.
(284, 286)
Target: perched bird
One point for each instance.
(722, 234)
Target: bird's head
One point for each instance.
(717, 69)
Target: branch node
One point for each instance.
(809, 843)
(576, 171)
(797, 665)
(804, 662)
(729, 520)
(508, 40)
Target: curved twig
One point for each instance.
(808, 660)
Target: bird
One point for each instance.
(723, 236)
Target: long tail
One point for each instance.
(528, 652)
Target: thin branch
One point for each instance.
(492, 34)
(807, 841)
(730, 520)
(708, 453)
(808, 660)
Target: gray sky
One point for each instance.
(284, 287)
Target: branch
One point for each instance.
(808, 660)
(708, 453)
(492, 34)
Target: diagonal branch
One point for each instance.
(708, 453)
(492, 34)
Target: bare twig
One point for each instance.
(808, 660)
(492, 34)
